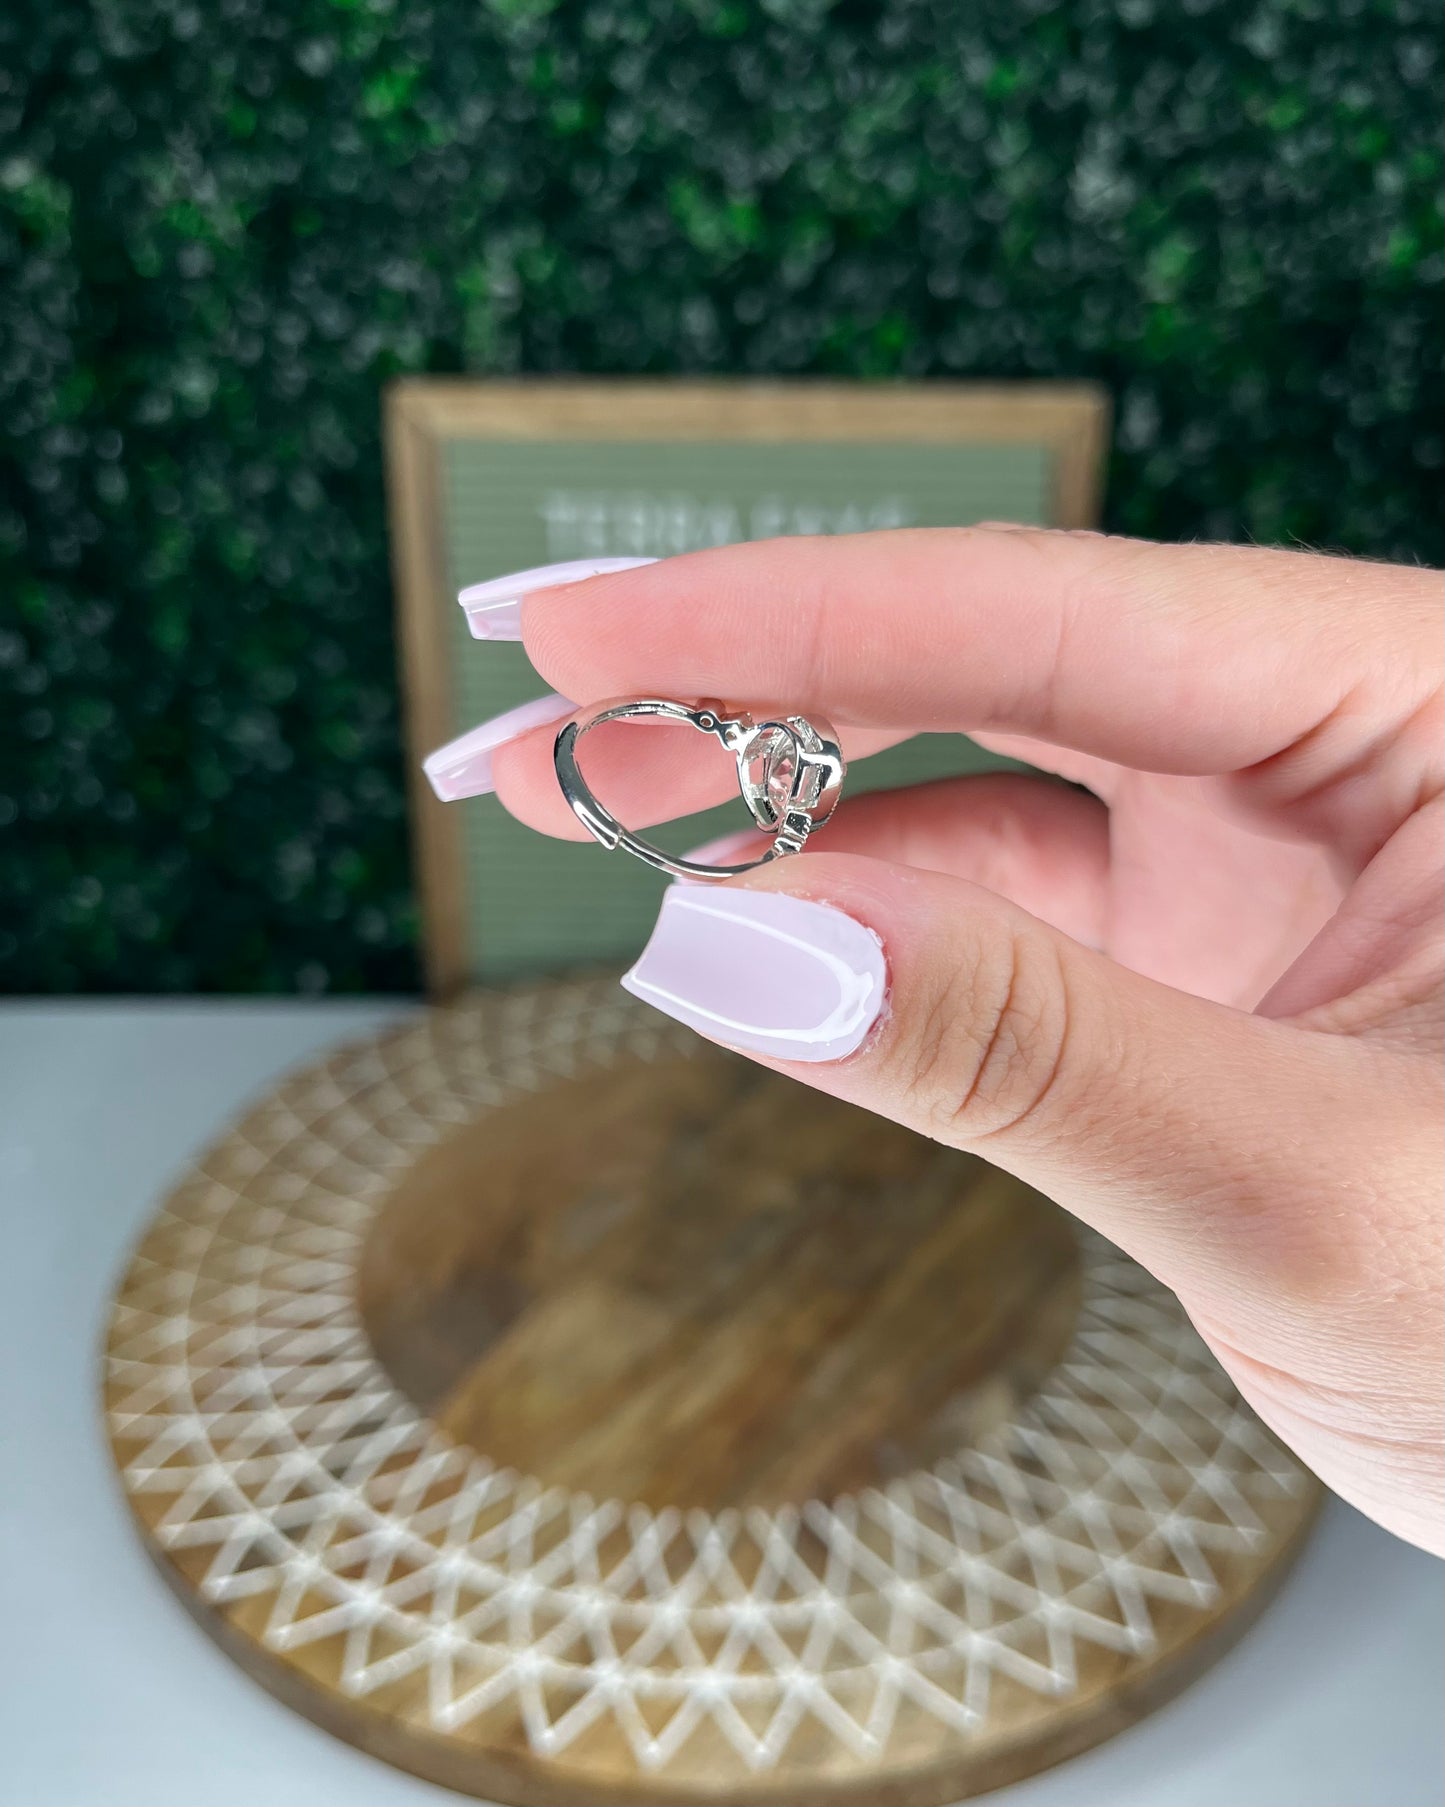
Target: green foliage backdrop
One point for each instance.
(224, 224)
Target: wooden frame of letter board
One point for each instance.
(1069, 420)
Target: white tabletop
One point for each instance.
(111, 1697)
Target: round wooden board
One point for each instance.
(570, 1413)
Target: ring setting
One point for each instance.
(790, 772)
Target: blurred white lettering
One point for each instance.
(608, 524)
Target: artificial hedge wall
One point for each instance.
(224, 225)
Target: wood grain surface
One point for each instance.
(716, 1288)
(570, 1414)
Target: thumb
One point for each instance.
(1177, 1127)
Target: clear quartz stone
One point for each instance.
(767, 775)
(780, 767)
(770, 771)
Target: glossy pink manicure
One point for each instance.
(463, 767)
(763, 971)
(494, 609)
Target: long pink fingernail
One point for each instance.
(463, 767)
(494, 609)
(763, 971)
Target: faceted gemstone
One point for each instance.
(767, 771)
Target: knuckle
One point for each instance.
(989, 1053)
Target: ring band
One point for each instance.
(790, 772)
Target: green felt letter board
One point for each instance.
(487, 478)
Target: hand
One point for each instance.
(1201, 1007)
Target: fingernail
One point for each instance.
(463, 767)
(763, 971)
(494, 609)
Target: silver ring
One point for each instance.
(790, 773)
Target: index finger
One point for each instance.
(1184, 659)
